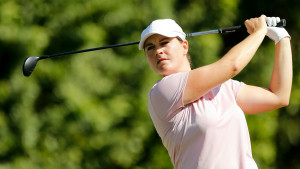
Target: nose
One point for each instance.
(159, 51)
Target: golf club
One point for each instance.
(31, 61)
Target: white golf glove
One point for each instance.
(275, 33)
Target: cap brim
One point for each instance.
(142, 42)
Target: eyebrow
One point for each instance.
(148, 44)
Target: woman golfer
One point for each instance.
(199, 113)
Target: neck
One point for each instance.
(183, 68)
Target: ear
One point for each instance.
(185, 45)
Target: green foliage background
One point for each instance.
(89, 110)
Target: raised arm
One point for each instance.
(254, 99)
(203, 79)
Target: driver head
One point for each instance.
(29, 65)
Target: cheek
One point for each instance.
(176, 51)
(150, 59)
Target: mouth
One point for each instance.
(160, 60)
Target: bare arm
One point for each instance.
(203, 79)
(254, 99)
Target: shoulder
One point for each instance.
(175, 77)
(166, 95)
(171, 81)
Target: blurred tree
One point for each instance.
(89, 110)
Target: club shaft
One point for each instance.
(88, 50)
(221, 30)
(124, 44)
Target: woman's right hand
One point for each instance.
(256, 24)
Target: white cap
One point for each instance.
(165, 27)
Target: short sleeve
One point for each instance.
(235, 85)
(166, 96)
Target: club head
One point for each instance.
(29, 65)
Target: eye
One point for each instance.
(150, 47)
(164, 43)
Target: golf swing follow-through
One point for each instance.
(199, 113)
(30, 62)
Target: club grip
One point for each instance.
(282, 23)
